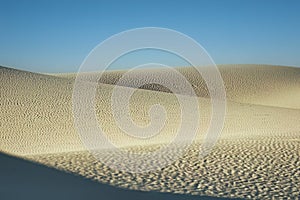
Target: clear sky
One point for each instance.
(55, 36)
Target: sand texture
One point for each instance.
(256, 157)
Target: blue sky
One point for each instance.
(56, 36)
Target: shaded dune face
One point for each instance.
(254, 84)
(256, 156)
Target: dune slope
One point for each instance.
(256, 84)
(256, 156)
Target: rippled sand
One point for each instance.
(256, 156)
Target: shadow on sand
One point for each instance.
(21, 179)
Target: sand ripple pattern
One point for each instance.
(247, 169)
(256, 157)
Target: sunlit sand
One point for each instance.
(256, 156)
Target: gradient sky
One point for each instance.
(55, 36)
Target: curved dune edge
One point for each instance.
(34, 181)
(256, 156)
(268, 85)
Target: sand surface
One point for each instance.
(21, 179)
(256, 156)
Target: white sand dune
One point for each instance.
(33, 181)
(256, 156)
(255, 84)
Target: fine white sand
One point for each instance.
(256, 156)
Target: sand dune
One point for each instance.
(255, 84)
(256, 156)
(29, 180)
